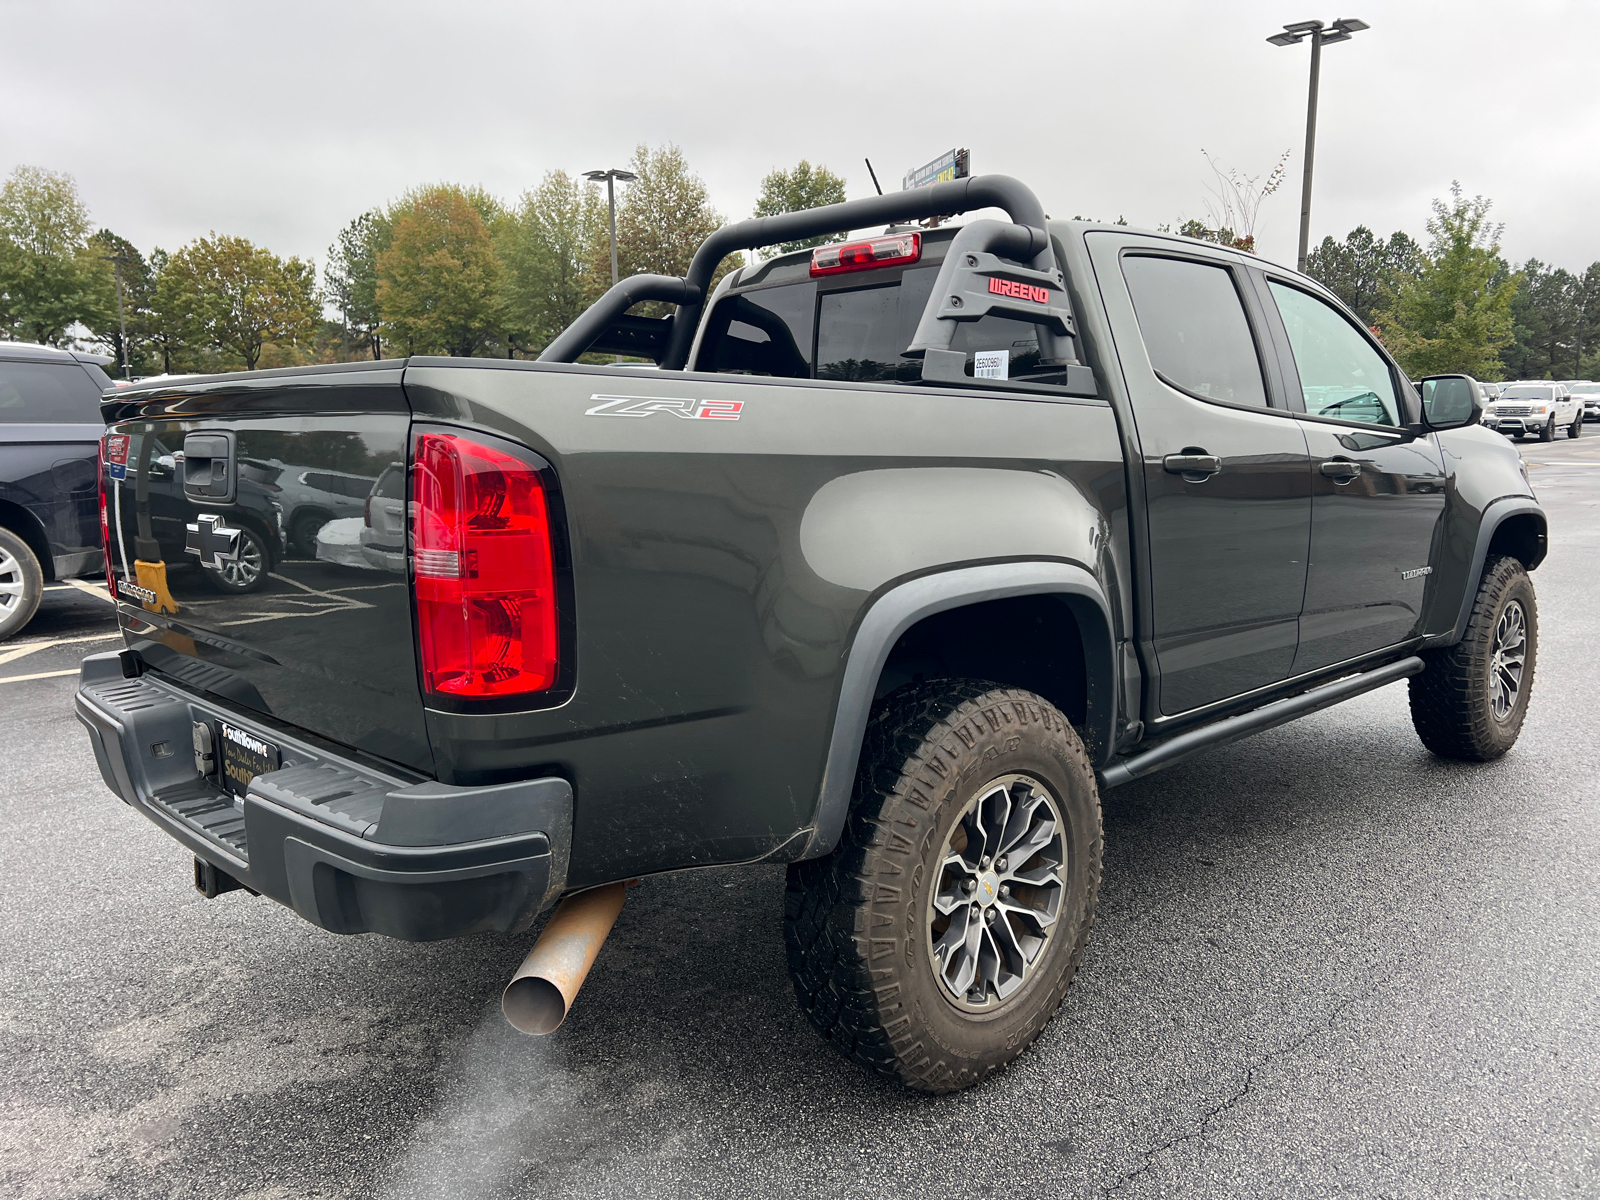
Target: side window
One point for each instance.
(1341, 374)
(1194, 328)
(36, 393)
(764, 332)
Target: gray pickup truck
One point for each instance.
(905, 549)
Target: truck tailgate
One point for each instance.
(257, 541)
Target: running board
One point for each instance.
(1234, 728)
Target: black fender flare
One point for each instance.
(1495, 516)
(901, 607)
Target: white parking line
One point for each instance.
(91, 589)
(21, 649)
(40, 675)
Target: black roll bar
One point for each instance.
(1026, 240)
(600, 316)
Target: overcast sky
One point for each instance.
(281, 121)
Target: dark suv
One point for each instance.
(50, 430)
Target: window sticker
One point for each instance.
(991, 364)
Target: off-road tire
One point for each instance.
(19, 569)
(1547, 432)
(1575, 430)
(1450, 699)
(855, 921)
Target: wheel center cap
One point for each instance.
(988, 888)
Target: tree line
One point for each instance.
(444, 269)
(447, 269)
(1456, 304)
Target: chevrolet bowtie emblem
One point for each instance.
(213, 541)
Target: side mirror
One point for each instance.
(1451, 401)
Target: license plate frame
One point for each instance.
(244, 756)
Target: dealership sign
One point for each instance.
(952, 164)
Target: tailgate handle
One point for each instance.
(208, 468)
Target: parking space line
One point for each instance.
(40, 675)
(90, 589)
(20, 650)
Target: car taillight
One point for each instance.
(366, 513)
(105, 522)
(890, 251)
(483, 569)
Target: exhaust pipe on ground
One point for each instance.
(541, 993)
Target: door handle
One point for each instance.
(1196, 468)
(208, 468)
(1341, 470)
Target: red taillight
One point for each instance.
(890, 251)
(105, 522)
(482, 563)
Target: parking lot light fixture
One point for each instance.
(1320, 35)
(612, 177)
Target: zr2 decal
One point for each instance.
(649, 406)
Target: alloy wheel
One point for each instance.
(1508, 658)
(248, 568)
(998, 893)
(12, 583)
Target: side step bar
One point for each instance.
(1234, 728)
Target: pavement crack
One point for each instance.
(1204, 1123)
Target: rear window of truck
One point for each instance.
(858, 333)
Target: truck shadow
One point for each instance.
(1238, 885)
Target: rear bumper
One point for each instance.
(347, 847)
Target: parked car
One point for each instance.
(1536, 408)
(311, 497)
(50, 430)
(910, 548)
(1588, 394)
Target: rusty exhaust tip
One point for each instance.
(541, 993)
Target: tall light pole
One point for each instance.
(1320, 35)
(116, 261)
(612, 178)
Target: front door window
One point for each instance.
(1341, 374)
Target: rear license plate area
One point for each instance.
(244, 756)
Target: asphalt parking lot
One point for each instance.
(1326, 963)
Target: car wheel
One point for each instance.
(1548, 433)
(303, 532)
(1470, 701)
(934, 944)
(1575, 430)
(21, 584)
(248, 573)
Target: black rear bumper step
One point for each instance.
(347, 847)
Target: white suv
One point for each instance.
(1541, 408)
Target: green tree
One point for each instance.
(50, 278)
(546, 257)
(351, 278)
(438, 280)
(1455, 313)
(1556, 323)
(236, 298)
(1364, 270)
(803, 187)
(661, 221)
